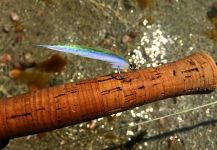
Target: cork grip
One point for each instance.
(72, 103)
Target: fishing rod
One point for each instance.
(72, 103)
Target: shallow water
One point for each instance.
(165, 30)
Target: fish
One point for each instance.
(116, 61)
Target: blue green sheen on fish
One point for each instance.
(100, 54)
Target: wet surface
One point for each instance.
(146, 35)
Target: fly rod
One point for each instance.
(71, 103)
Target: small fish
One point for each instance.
(100, 54)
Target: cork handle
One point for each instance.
(72, 103)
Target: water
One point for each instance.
(165, 30)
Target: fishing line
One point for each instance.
(145, 122)
(177, 113)
(166, 116)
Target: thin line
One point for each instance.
(145, 122)
(174, 114)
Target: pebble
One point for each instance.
(126, 39)
(6, 28)
(133, 34)
(14, 17)
(5, 58)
